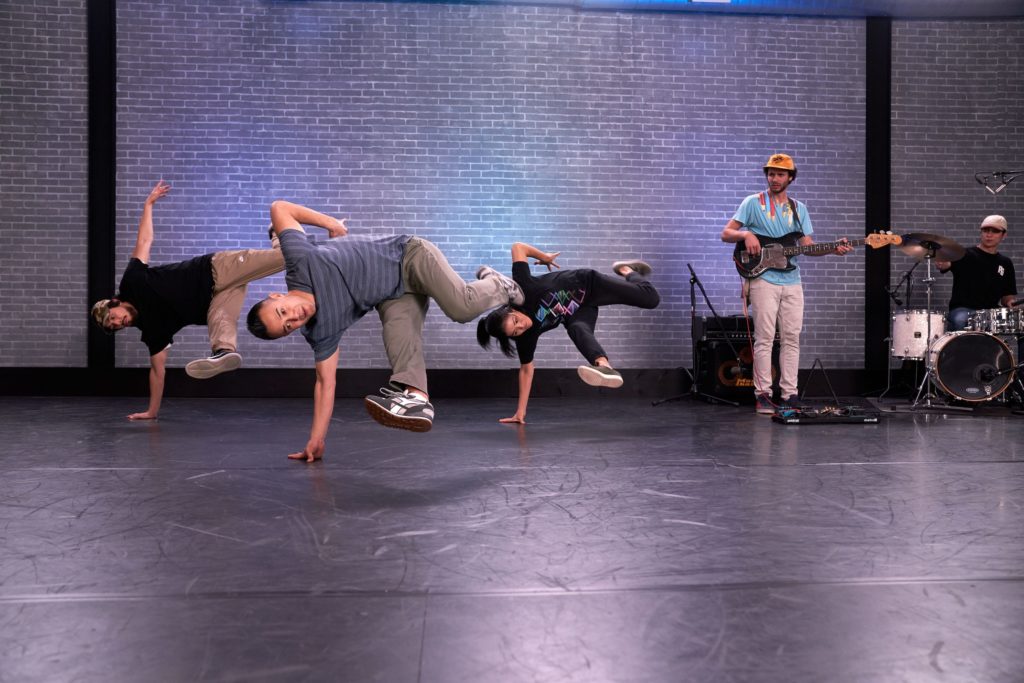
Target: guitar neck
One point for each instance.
(820, 247)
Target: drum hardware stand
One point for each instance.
(925, 401)
(891, 291)
(1017, 383)
(695, 392)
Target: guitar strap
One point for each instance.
(792, 207)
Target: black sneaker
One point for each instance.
(764, 405)
(515, 292)
(641, 268)
(222, 360)
(401, 410)
(600, 376)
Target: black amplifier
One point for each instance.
(709, 328)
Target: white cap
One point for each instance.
(995, 222)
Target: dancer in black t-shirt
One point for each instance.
(983, 278)
(160, 300)
(570, 298)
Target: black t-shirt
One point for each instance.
(550, 300)
(167, 297)
(981, 279)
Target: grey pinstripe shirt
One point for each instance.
(347, 276)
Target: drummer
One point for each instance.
(983, 278)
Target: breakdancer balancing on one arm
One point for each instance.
(160, 300)
(777, 295)
(571, 298)
(334, 284)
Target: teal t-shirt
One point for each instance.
(756, 215)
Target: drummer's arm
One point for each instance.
(943, 266)
(1008, 300)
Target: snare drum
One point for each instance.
(996, 321)
(910, 333)
(972, 366)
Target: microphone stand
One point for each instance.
(695, 392)
(892, 291)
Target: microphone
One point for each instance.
(892, 295)
(996, 181)
(986, 373)
(736, 370)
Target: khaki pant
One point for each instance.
(232, 271)
(427, 274)
(776, 307)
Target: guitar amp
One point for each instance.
(720, 373)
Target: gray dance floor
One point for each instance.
(607, 540)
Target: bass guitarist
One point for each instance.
(776, 295)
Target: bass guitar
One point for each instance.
(777, 252)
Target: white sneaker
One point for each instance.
(221, 361)
(600, 376)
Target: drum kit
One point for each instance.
(973, 365)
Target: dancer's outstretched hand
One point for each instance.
(547, 260)
(313, 451)
(159, 190)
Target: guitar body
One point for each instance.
(771, 256)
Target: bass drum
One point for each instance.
(972, 366)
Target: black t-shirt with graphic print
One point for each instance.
(981, 280)
(551, 299)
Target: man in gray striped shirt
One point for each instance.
(334, 284)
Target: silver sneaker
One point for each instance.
(515, 292)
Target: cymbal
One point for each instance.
(919, 244)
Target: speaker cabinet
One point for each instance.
(720, 374)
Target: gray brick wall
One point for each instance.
(43, 170)
(596, 133)
(958, 108)
(599, 134)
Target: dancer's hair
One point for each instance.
(490, 326)
(255, 323)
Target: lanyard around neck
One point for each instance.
(768, 206)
